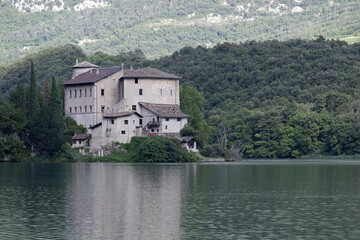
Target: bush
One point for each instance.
(161, 149)
(214, 150)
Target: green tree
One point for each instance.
(192, 103)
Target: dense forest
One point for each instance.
(32, 122)
(159, 27)
(257, 99)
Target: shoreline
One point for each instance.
(222, 161)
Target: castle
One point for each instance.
(115, 104)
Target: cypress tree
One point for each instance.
(33, 96)
(46, 97)
(33, 110)
(18, 97)
(57, 123)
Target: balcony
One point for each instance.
(153, 124)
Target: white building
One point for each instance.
(116, 104)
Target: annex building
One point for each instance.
(115, 104)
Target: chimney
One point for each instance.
(122, 70)
(97, 71)
(77, 61)
(131, 67)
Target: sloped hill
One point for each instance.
(52, 62)
(271, 99)
(159, 27)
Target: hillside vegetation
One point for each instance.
(160, 27)
(269, 99)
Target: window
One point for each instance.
(90, 92)
(140, 121)
(170, 92)
(140, 91)
(133, 107)
(123, 132)
(112, 121)
(134, 122)
(166, 119)
(126, 122)
(70, 110)
(179, 119)
(85, 109)
(152, 130)
(102, 92)
(80, 109)
(102, 108)
(90, 108)
(157, 130)
(80, 93)
(75, 93)
(85, 93)
(165, 126)
(75, 109)
(136, 80)
(70, 93)
(160, 91)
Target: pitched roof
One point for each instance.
(92, 76)
(96, 125)
(165, 110)
(120, 114)
(81, 136)
(85, 64)
(148, 73)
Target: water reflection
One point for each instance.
(123, 201)
(179, 201)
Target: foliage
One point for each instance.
(192, 103)
(146, 150)
(276, 99)
(42, 131)
(161, 27)
(12, 149)
(50, 62)
(265, 99)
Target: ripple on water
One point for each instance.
(186, 201)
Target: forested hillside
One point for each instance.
(269, 99)
(277, 99)
(57, 62)
(160, 27)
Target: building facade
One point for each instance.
(115, 104)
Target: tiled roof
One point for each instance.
(165, 110)
(81, 136)
(96, 125)
(97, 74)
(92, 76)
(148, 73)
(120, 114)
(85, 64)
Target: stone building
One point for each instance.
(116, 104)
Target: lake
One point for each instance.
(248, 200)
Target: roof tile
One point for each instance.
(120, 114)
(165, 110)
(92, 76)
(148, 73)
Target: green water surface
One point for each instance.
(252, 200)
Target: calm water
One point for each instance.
(180, 201)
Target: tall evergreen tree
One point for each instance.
(18, 97)
(33, 109)
(33, 99)
(46, 98)
(57, 122)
